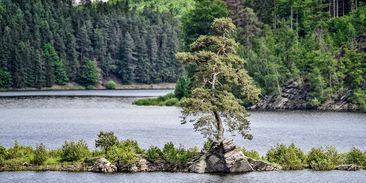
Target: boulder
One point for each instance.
(224, 157)
(102, 165)
(261, 166)
(142, 165)
(348, 167)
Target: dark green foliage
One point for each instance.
(178, 156)
(153, 153)
(125, 152)
(288, 157)
(18, 151)
(356, 157)
(88, 75)
(182, 87)
(208, 145)
(111, 85)
(5, 79)
(47, 42)
(2, 155)
(60, 73)
(74, 151)
(40, 155)
(323, 159)
(198, 21)
(166, 100)
(251, 154)
(106, 140)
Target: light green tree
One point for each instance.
(219, 72)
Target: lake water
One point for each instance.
(304, 176)
(52, 120)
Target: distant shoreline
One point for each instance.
(76, 87)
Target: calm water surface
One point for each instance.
(52, 120)
(304, 176)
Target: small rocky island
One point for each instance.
(224, 157)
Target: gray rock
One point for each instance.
(102, 165)
(348, 167)
(261, 166)
(224, 157)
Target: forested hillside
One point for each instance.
(310, 52)
(303, 54)
(44, 43)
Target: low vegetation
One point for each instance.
(127, 152)
(166, 100)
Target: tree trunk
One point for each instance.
(220, 128)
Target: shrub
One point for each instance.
(40, 155)
(111, 85)
(166, 100)
(72, 151)
(208, 145)
(323, 159)
(289, 157)
(153, 153)
(124, 153)
(178, 157)
(19, 151)
(106, 140)
(2, 155)
(356, 157)
(251, 154)
(171, 102)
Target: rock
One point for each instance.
(142, 165)
(261, 166)
(295, 95)
(102, 165)
(348, 167)
(223, 157)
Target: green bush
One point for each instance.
(153, 153)
(124, 153)
(178, 157)
(356, 157)
(74, 151)
(323, 159)
(251, 154)
(2, 155)
(171, 102)
(289, 157)
(19, 152)
(111, 85)
(106, 140)
(40, 155)
(166, 100)
(208, 145)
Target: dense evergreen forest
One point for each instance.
(46, 42)
(318, 43)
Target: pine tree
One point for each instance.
(219, 70)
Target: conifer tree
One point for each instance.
(219, 70)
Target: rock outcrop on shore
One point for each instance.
(102, 165)
(295, 95)
(225, 157)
